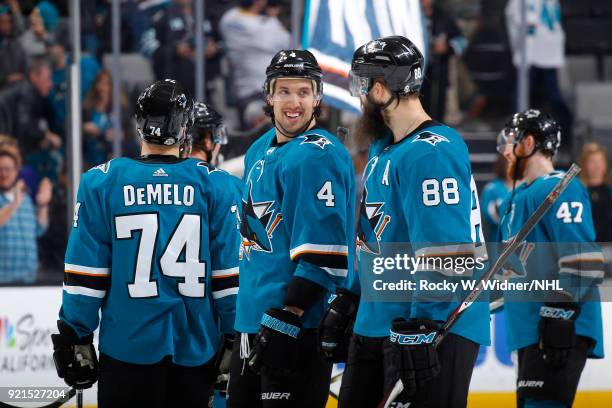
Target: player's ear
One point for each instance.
(379, 90)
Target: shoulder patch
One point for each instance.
(209, 167)
(431, 138)
(104, 167)
(316, 139)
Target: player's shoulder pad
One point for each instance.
(544, 185)
(317, 140)
(435, 139)
(317, 147)
(98, 174)
(208, 169)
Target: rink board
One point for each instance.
(28, 315)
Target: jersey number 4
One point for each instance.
(186, 236)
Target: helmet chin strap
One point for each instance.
(382, 106)
(515, 173)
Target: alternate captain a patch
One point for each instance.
(431, 138)
(318, 140)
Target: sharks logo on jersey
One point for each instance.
(372, 223)
(318, 140)
(104, 167)
(257, 224)
(431, 138)
(209, 167)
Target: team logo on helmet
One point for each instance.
(375, 46)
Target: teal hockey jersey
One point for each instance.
(493, 195)
(297, 219)
(154, 244)
(419, 195)
(562, 245)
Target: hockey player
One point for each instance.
(204, 141)
(419, 191)
(553, 338)
(297, 233)
(207, 135)
(493, 195)
(153, 245)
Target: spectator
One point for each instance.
(445, 41)
(20, 221)
(13, 63)
(25, 110)
(596, 177)
(175, 33)
(26, 173)
(44, 19)
(98, 125)
(252, 34)
(60, 61)
(545, 54)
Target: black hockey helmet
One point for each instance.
(294, 64)
(395, 59)
(205, 117)
(162, 110)
(539, 124)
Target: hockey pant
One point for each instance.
(307, 387)
(160, 385)
(363, 378)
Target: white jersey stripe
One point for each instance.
(316, 248)
(225, 292)
(219, 273)
(80, 290)
(87, 269)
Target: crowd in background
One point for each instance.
(470, 78)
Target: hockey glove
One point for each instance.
(222, 363)
(409, 354)
(75, 358)
(337, 326)
(557, 332)
(275, 347)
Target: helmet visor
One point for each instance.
(358, 85)
(508, 136)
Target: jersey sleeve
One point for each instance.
(88, 262)
(438, 206)
(318, 210)
(224, 246)
(571, 232)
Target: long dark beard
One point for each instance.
(371, 125)
(520, 169)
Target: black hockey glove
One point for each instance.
(409, 354)
(75, 358)
(337, 326)
(557, 332)
(275, 347)
(222, 363)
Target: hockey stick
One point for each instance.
(511, 246)
(55, 404)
